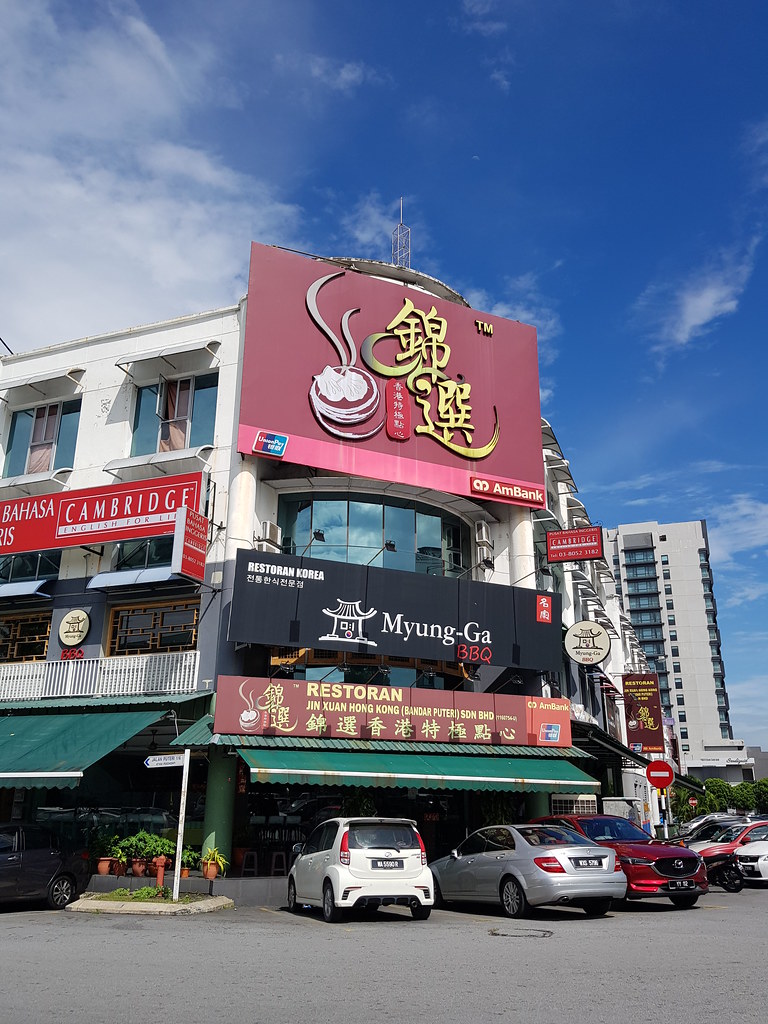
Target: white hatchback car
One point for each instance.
(362, 863)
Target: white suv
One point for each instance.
(362, 862)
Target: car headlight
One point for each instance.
(635, 860)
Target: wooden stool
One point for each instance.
(250, 864)
(279, 863)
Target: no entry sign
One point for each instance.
(660, 774)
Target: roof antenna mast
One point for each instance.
(401, 243)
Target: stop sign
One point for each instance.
(692, 801)
(659, 774)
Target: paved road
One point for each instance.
(253, 965)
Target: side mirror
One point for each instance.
(454, 855)
(297, 848)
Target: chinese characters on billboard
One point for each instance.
(642, 706)
(286, 707)
(418, 390)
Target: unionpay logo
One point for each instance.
(270, 444)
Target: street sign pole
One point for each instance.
(182, 815)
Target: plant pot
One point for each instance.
(184, 873)
(151, 869)
(103, 865)
(119, 867)
(138, 866)
(210, 869)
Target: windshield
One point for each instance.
(727, 835)
(613, 829)
(551, 835)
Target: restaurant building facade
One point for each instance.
(306, 538)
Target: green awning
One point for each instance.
(426, 771)
(53, 751)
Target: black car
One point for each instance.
(35, 864)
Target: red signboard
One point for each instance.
(660, 774)
(642, 707)
(371, 378)
(190, 544)
(126, 511)
(247, 705)
(575, 545)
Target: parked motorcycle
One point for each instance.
(723, 870)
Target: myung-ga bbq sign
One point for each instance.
(287, 601)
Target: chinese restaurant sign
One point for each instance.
(363, 376)
(146, 508)
(286, 707)
(289, 601)
(575, 545)
(642, 704)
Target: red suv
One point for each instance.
(653, 868)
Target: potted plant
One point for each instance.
(136, 847)
(213, 862)
(119, 857)
(190, 859)
(160, 852)
(101, 845)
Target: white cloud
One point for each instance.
(336, 75)
(680, 311)
(738, 526)
(111, 217)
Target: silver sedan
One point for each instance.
(522, 866)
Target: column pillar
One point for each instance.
(220, 801)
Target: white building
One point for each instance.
(666, 589)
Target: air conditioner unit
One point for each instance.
(267, 546)
(271, 532)
(483, 535)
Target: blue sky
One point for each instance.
(597, 168)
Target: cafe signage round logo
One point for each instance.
(587, 643)
(74, 627)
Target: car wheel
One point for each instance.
(684, 902)
(513, 898)
(596, 908)
(293, 906)
(420, 912)
(331, 913)
(61, 892)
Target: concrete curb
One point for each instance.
(88, 905)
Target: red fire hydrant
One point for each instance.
(161, 863)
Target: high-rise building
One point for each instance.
(664, 578)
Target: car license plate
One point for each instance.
(388, 864)
(749, 869)
(589, 862)
(681, 883)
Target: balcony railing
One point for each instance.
(136, 676)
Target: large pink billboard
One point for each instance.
(346, 372)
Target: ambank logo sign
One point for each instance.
(487, 487)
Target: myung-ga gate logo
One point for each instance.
(472, 643)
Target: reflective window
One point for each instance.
(42, 439)
(175, 414)
(389, 534)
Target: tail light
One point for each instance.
(423, 850)
(344, 849)
(617, 865)
(550, 864)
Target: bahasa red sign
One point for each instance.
(125, 511)
(642, 707)
(575, 545)
(371, 378)
(257, 706)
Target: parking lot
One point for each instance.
(646, 961)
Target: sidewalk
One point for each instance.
(88, 905)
